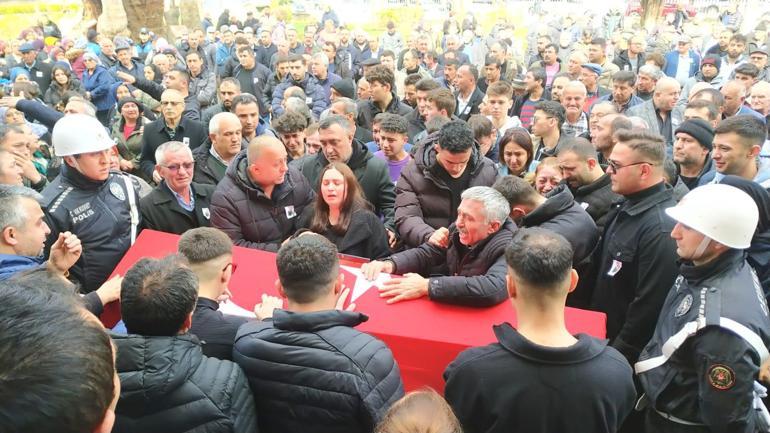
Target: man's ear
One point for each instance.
(280, 290)
(510, 285)
(10, 236)
(105, 426)
(187, 322)
(573, 280)
(338, 285)
(755, 151)
(494, 226)
(518, 213)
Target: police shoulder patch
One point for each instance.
(721, 377)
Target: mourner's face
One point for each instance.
(10, 170)
(130, 111)
(689, 243)
(333, 188)
(337, 143)
(30, 237)
(472, 223)
(547, 178)
(227, 141)
(177, 170)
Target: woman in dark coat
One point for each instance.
(342, 215)
(62, 82)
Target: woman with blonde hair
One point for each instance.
(421, 411)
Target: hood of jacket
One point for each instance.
(559, 200)
(152, 367)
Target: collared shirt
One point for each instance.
(179, 199)
(462, 103)
(683, 68)
(216, 156)
(577, 128)
(665, 128)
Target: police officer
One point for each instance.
(86, 199)
(699, 370)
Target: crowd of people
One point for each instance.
(596, 164)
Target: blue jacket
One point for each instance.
(316, 98)
(99, 84)
(11, 264)
(672, 63)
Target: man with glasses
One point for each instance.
(175, 79)
(170, 127)
(758, 57)
(636, 258)
(176, 204)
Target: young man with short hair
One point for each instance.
(524, 107)
(521, 378)
(441, 102)
(394, 148)
(737, 142)
(500, 101)
(384, 99)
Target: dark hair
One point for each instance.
(516, 190)
(202, 244)
(581, 147)
(539, 75)
(426, 85)
(669, 171)
(519, 137)
(64, 69)
(620, 122)
(648, 144)
(412, 79)
(552, 45)
(296, 58)
(553, 109)
(307, 268)
(232, 81)
(481, 126)
(183, 74)
(41, 278)
(540, 259)
(474, 71)
(246, 49)
(392, 123)
(244, 99)
(491, 60)
(714, 96)
(354, 200)
(739, 38)
(290, 122)
(627, 77)
(193, 53)
(388, 53)
(444, 100)
(456, 137)
(713, 111)
(657, 58)
(749, 69)
(436, 123)
(751, 130)
(599, 41)
(451, 62)
(157, 295)
(56, 368)
(380, 74)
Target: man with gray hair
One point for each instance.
(646, 79)
(472, 257)
(319, 69)
(211, 162)
(258, 202)
(348, 108)
(176, 204)
(573, 99)
(337, 145)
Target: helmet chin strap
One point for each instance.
(704, 243)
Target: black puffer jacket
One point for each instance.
(561, 214)
(475, 279)
(314, 373)
(424, 202)
(168, 386)
(251, 219)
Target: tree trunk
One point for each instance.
(145, 13)
(91, 9)
(650, 12)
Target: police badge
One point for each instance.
(684, 306)
(117, 191)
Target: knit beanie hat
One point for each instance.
(700, 130)
(345, 87)
(711, 59)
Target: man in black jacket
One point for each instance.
(384, 99)
(309, 356)
(209, 253)
(39, 72)
(538, 377)
(470, 254)
(170, 127)
(167, 384)
(469, 97)
(336, 135)
(211, 162)
(558, 213)
(253, 77)
(589, 184)
(177, 204)
(636, 261)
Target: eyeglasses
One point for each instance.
(615, 167)
(175, 167)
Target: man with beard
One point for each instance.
(229, 88)
(709, 73)
(692, 151)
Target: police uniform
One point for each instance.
(698, 371)
(102, 214)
